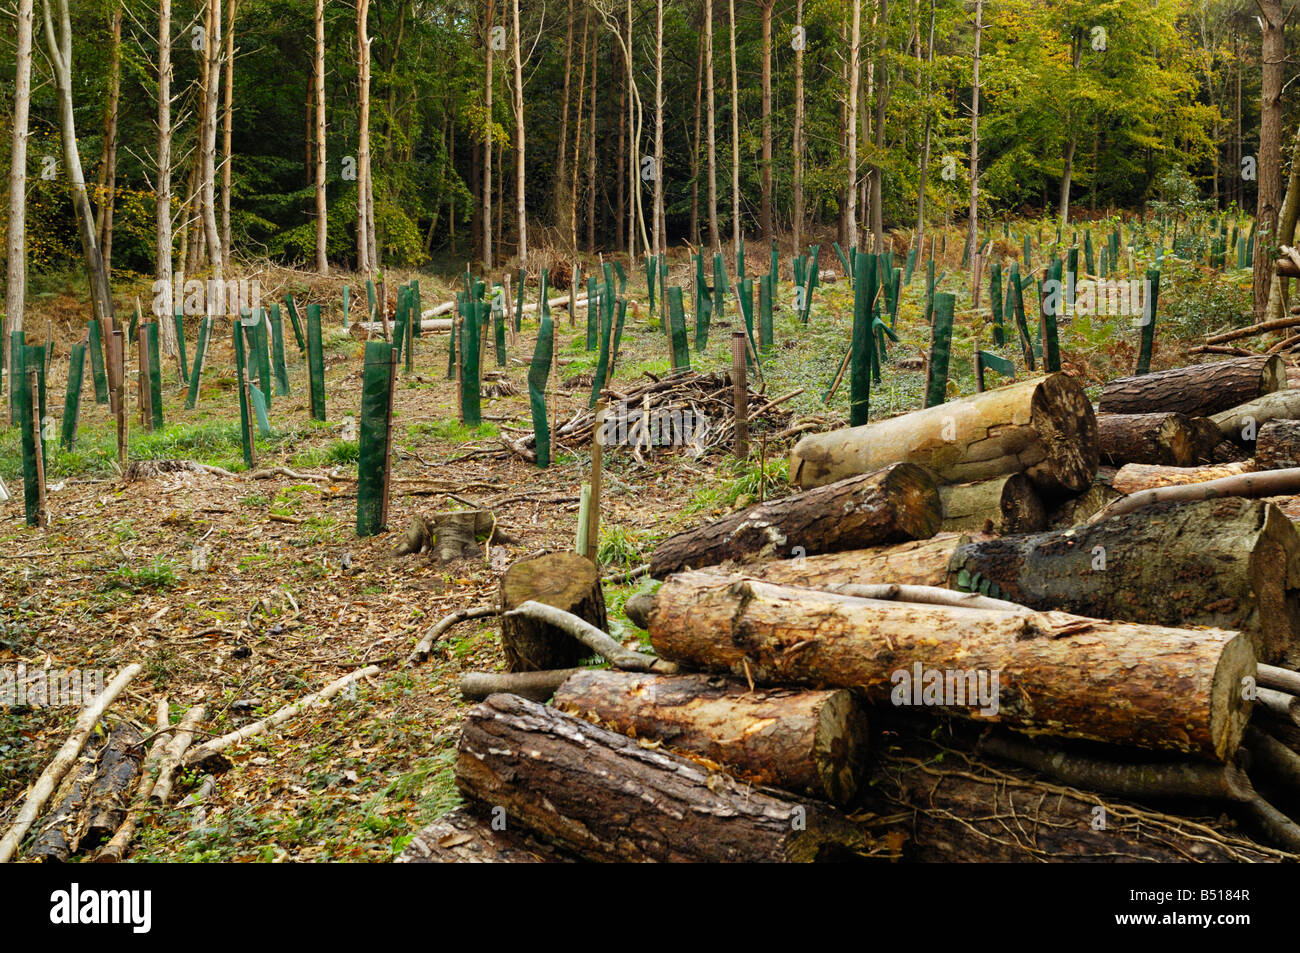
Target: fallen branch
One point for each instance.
(1283, 679)
(536, 686)
(628, 575)
(217, 745)
(435, 631)
(928, 595)
(175, 751)
(1279, 704)
(63, 760)
(1277, 760)
(1267, 483)
(1254, 329)
(593, 638)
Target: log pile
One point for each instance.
(956, 619)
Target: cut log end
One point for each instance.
(566, 581)
(1229, 707)
(1063, 418)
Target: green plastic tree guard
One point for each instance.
(936, 387)
(96, 347)
(538, 372)
(278, 366)
(373, 438)
(315, 362)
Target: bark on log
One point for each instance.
(603, 796)
(60, 835)
(1229, 563)
(1278, 445)
(919, 563)
(461, 837)
(119, 766)
(1135, 477)
(963, 809)
(365, 329)
(564, 580)
(1247, 418)
(897, 503)
(807, 742)
(1166, 439)
(1078, 509)
(1198, 390)
(1005, 504)
(1044, 427)
(891, 651)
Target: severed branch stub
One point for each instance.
(435, 632)
(593, 638)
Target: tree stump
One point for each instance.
(448, 536)
(564, 580)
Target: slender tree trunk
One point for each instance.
(801, 42)
(735, 132)
(765, 202)
(882, 108)
(365, 263)
(712, 155)
(212, 235)
(1286, 227)
(108, 164)
(163, 210)
(591, 151)
(925, 149)
(659, 238)
(16, 243)
(322, 215)
(487, 148)
(227, 116)
(561, 213)
(60, 55)
(620, 202)
(520, 157)
(1269, 161)
(972, 238)
(695, 143)
(577, 137)
(851, 124)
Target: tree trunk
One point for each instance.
(365, 264)
(891, 505)
(208, 203)
(715, 242)
(922, 562)
(108, 163)
(1269, 161)
(1198, 390)
(695, 146)
(1005, 504)
(163, 209)
(110, 795)
(1043, 427)
(60, 54)
(564, 580)
(1147, 686)
(807, 742)
(765, 201)
(322, 213)
(560, 209)
(798, 213)
(461, 837)
(521, 165)
(584, 789)
(660, 245)
(972, 235)
(735, 132)
(16, 240)
(1242, 423)
(1166, 439)
(227, 118)
(1286, 228)
(1135, 477)
(1278, 446)
(1230, 563)
(919, 239)
(851, 127)
(591, 149)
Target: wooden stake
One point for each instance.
(144, 371)
(597, 464)
(118, 395)
(740, 392)
(252, 417)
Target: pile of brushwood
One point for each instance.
(963, 638)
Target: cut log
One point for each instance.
(808, 742)
(119, 767)
(897, 503)
(1136, 477)
(1230, 563)
(1018, 669)
(461, 837)
(1005, 504)
(365, 329)
(1242, 423)
(1258, 485)
(603, 796)
(1044, 427)
(1165, 439)
(1278, 445)
(961, 809)
(920, 563)
(564, 580)
(1198, 390)
(1078, 509)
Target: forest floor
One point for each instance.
(291, 598)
